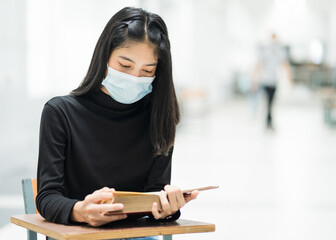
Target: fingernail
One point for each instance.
(125, 216)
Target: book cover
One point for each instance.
(141, 203)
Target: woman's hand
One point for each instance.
(92, 212)
(172, 200)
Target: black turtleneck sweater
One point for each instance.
(90, 142)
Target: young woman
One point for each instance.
(116, 130)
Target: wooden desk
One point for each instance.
(121, 229)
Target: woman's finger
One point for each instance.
(191, 196)
(105, 208)
(97, 197)
(180, 198)
(155, 211)
(175, 205)
(165, 204)
(102, 189)
(105, 189)
(171, 193)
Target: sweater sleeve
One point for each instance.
(50, 200)
(159, 176)
(160, 173)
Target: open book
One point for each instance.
(141, 203)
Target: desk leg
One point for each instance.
(167, 237)
(31, 235)
(49, 238)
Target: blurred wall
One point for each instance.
(210, 39)
(13, 47)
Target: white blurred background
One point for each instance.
(273, 184)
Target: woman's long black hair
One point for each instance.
(136, 25)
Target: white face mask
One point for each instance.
(126, 88)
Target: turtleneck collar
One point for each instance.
(105, 101)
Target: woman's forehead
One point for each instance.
(138, 52)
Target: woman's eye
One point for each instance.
(125, 66)
(147, 71)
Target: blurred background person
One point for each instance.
(271, 58)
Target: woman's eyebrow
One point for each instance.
(151, 64)
(128, 59)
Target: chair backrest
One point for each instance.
(29, 190)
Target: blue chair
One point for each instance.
(29, 189)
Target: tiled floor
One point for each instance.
(273, 185)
